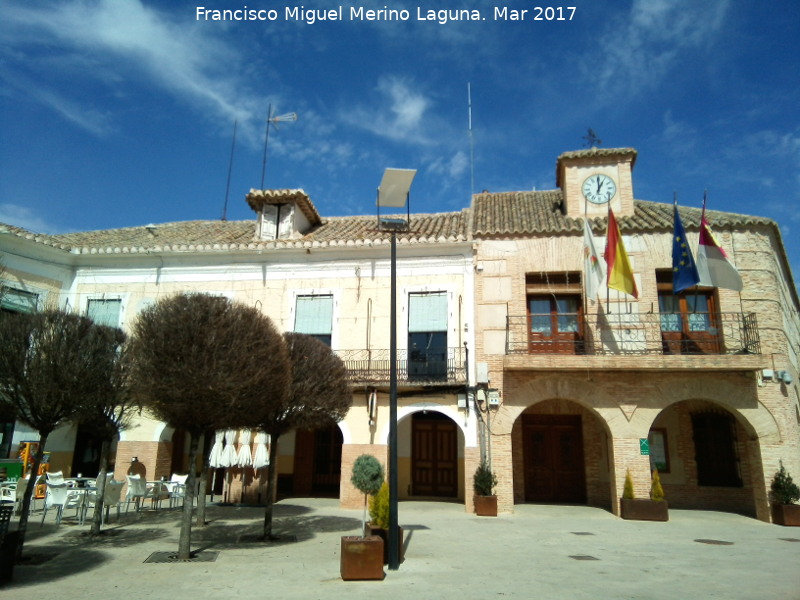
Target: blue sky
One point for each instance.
(121, 113)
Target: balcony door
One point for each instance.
(427, 336)
(689, 323)
(555, 324)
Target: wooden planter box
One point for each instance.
(644, 510)
(786, 514)
(384, 535)
(485, 506)
(361, 557)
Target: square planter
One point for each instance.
(485, 506)
(361, 557)
(786, 514)
(384, 535)
(644, 510)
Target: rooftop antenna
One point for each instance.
(288, 117)
(230, 168)
(591, 139)
(471, 143)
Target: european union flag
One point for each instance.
(684, 270)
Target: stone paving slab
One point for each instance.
(540, 551)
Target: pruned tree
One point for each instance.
(196, 360)
(110, 411)
(51, 363)
(319, 395)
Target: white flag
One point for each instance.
(593, 272)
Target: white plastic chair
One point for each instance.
(15, 492)
(112, 496)
(177, 488)
(138, 491)
(56, 477)
(56, 496)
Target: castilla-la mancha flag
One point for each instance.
(713, 265)
(620, 272)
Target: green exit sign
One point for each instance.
(644, 447)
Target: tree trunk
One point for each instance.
(272, 484)
(185, 540)
(97, 517)
(22, 526)
(201, 488)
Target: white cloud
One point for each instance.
(637, 50)
(398, 113)
(21, 216)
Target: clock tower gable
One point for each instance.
(591, 180)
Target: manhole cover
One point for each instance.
(789, 539)
(581, 533)
(715, 542)
(172, 557)
(582, 557)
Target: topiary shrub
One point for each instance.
(627, 490)
(367, 477)
(484, 480)
(656, 491)
(783, 490)
(379, 508)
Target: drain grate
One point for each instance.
(582, 557)
(789, 539)
(172, 557)
(715, 542)
(581, 533)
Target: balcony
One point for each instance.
(420, 368)
(652, 340)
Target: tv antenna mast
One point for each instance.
(287, 118)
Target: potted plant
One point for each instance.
(784, 495)
(641, 509)
(483, 483)
(362, 556)
(379, 521)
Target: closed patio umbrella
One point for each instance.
(261, 454)
(228, 458)
(244, 458)
(215, 458)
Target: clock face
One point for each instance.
(599, 188)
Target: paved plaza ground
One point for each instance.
(541, 551)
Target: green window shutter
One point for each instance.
(18, 300)
(427, 312)
(104, 312)
(313, 315)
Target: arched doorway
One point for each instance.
(434, 455)
(560, 453)
(706, 457)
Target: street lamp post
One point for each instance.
(393, 192)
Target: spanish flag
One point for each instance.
(620, 273)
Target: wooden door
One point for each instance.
(317, 462)
(434, 456)
(553, 455)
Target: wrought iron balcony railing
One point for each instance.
(643, 333)
(420, 368)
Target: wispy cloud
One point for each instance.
(636, 50)
(128, 40)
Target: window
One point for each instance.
(427, 336)
(688, 319)
(277, 221)
(314, 316)
(104, 312)
(14, 300)
(715, 449)
(555, 313)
